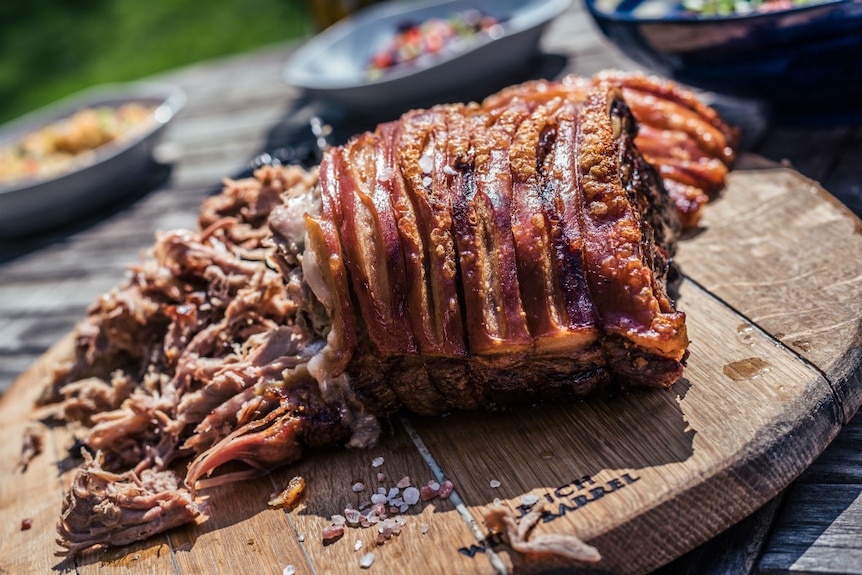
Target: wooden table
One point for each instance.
(238, 107)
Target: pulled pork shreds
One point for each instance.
(504, 520)
(201, 353)
(104, 508)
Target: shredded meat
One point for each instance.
(104, 508)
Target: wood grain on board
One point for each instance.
(796, 257)
(644, 477)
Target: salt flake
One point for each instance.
(366, 560)
(410, 495)
(529, 499)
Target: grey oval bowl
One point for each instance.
(33, 205)
(332, 65)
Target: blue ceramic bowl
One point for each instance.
(805, 62)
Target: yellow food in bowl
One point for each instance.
(63, 145)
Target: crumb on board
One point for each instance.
(290, 497)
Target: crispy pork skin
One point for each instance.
(687, 141)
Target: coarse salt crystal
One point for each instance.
(378, 498)
(403, 507)
(404, 482)
(289, 570)
(352, 516)
(300, 537)
(495, 484)
(332, 532)
(447, 169)
(529, 499)
(338, 520)
(434, 485)
(366, 560)
(428, 493)
(411, 495)
(425, 528)
(381, 477)
(358, 545)
(377, 462)
(381, 490)
(393, 492)
(357, 487)
(446, 489)
(427, 181)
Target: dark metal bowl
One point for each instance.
(805, 62)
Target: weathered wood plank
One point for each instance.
(819, 531)
(734, 551)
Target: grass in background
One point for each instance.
(53, 48)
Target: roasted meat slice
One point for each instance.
(466, 256)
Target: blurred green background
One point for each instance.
(53, 48)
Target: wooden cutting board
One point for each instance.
(773, 293)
